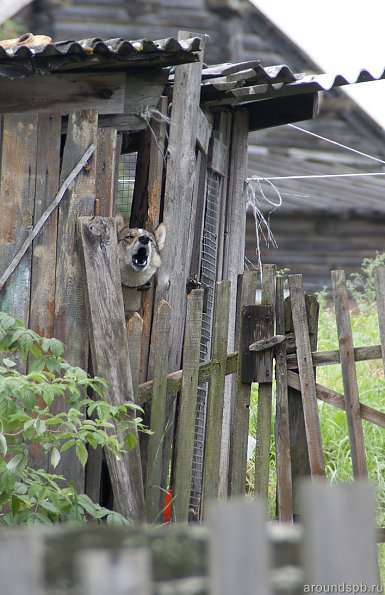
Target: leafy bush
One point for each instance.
(49, 408)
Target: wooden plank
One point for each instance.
(101, 571)
(231, 256)
(218, 156)
(179, 207)
(238, 531)
(339, 545)
(110, 352)
(258, 323)
(337, 399)
(155, 491)
(107, 163)
(265, 399)
(134, 336)
(17, 192)
(214, 416)
(282, 428)
(327, 358)
(283, 110)
(379, 277)
(27, 547)
(184, 446)
(64, 93)
(309, 398)
(70, 309)
(204, 129)
(349, 375)
(44, 246)
(241, 409)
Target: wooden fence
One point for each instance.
(332, 551)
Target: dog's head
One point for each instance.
(139, 252)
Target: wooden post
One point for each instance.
(339, 536)
(241, 410)
(308, 390)
(282, 428)
(107, 165)
(70, 309)
(240, 552)
(156, 489)
(265, 397)
(349, 375)
(184, 445)
(300, 465)
(379, 276)
(17, 192)
(214, 417)
(109, 347)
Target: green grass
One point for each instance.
(371, 383)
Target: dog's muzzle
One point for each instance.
(140, 259)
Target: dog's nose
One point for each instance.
(144, 240)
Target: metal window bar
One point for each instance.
(126, 184)
(208, 277)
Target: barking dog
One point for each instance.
(139, 253)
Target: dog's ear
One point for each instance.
(120, 224)
(160, 235)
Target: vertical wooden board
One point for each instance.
(349, 375)
(305, 365)
(265, 398)
(107, 162)
(21, 561)
(339, 546)
(282, 428)
(257, 324)
(184, 445)
(134, 335)
(155, 491)
(231, 255)
(379, 276)
(17, 192)
(101, 571)
(179, 208)
(241, 408)
(240, 552)
(110, 352)
(214, 418)
(70, 309)
(44, 246)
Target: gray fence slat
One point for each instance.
(379, 275)
(187, 406)
(155, 491)
(122, 573)
(349, 374)
(240, 552)
(21, 562)
(339, 536)
(305, 365)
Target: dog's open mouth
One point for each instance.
(140, 259)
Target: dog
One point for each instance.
(139, 258)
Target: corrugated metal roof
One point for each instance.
(22, 59)
(256, 82)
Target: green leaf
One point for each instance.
(81, 453)
(8, 363)
(3, 444)
(49, 506)
(67, 445)
(15, 504)
(90, 507)
(131, 441)
(55, 457)
(13, 464)
(40, 427)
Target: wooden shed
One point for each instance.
(339, 221)
(77, 107)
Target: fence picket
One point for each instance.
(339, 540)
(305, 365)
(187, 406)
(379, 276)
(265, 395)
(155, 490)
(349, 375)
(238, 533)
(241, 407)
(215, 394)
(282, 429)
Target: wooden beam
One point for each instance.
(329, 358)
(110, 352)
(279, 111)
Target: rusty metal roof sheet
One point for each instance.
(95, 53)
